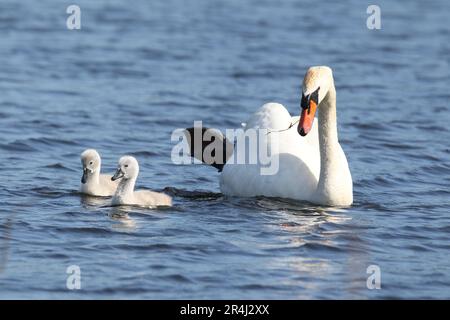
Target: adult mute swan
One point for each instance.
(92, 182)
(128, 171)
(312, 165)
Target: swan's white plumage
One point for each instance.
(96, 184)
(128, 171)
(144, 198)
(299, 160)
(312, 168)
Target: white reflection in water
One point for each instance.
(122, 221)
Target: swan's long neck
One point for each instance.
(95, 178)
(329, 145)
(126, 187)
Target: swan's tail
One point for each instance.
(209, 146)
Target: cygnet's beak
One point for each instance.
(119, 174)
(85, 175)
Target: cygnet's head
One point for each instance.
(90, 159)
(128, 168)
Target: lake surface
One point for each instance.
(134, 73)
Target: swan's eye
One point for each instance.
(305, 102)
(126, 166)
(91, 163)
(315, 96)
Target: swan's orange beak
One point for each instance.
(307, 119)
(309, 108)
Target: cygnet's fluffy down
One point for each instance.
(93, 183)
(128, 171)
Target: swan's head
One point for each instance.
(128, 168)
(90, 159)
(315, 87)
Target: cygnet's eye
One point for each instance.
(91, 163)
(126, 166)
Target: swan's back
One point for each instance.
(298, 160)
(272, 116)
(151, 198)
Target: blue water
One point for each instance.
(135, 72)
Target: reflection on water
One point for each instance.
(120, 215)
(122, 220)
(309, 231)
(90, 202)
(5, 238)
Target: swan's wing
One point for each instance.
(215, 150)
(272, 116)
(209, 146)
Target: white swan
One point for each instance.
(128, 171)
(92, 182)
(312, 164)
